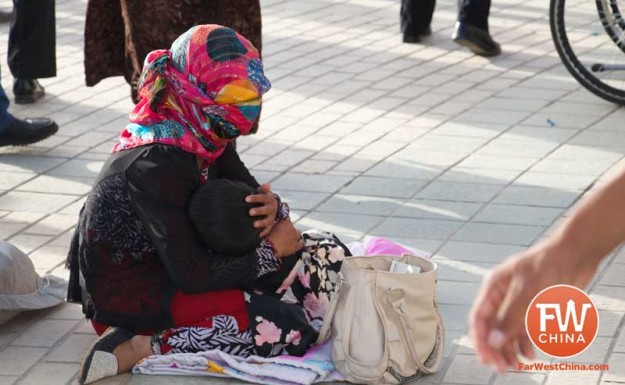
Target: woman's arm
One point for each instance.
(570, 256)
(161, 183)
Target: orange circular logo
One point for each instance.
(562, 321)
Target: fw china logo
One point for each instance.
(562, 321)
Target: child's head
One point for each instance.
(221, 216)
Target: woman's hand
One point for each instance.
(497, 319)
(286, 239)
(269, 208)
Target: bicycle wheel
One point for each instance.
(590, 39)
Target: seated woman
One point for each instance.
(136, 261)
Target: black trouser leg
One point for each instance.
(416, 16)
(32, 39)
(474, 12)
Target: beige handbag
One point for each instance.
(386, 327)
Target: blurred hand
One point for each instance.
(286, 238)
(268, 210)
(497, 318)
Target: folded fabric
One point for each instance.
(383, 246)
(315, 366)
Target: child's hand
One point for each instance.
(286, 239)
(269, 208)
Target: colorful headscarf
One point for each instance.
(198, 96)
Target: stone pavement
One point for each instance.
(468, 158)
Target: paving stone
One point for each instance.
(386, 187)
(453, 270)
(28, 164)
(496, 162)
(44, 333)
(27, 243)
(53, 224)
(73, 349)
(78, 168)
(49, 373)
(481, 176)
(58, 185)
(302, 200)
(466, 369)
(614, 275)
(12, 179)
(573, 377)
(8, 380)
(499, 233)
(358, 204)
(342, 224)
(460, 192)
(456, 293)
(64, 311)
(16, 360)
(608, 297)
(512, 378)
(596, 353)
(536, 196)
(609, 321)
(523, 215)
(435, 209)
(34, 202)
(313, 183)
(565, 182)
(479, 252)
(454, 316)
(617, 368)
(417, 228)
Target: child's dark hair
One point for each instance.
(221, 216)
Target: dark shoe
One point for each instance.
(417, 38)
(5, 17)
(27, 131)
(27, 91)
(100, 362)
(476, 39)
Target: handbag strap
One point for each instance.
(434, 359)
(348, 319)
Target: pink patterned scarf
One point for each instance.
(198, 96)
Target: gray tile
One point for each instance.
(15, 360)
(614, 275)
(496, 162)
(520, 215)
(386, 187)
(302, 200)
(34, 202)
(73, 349)
(609, 321)
(499, 233)
(454, 316)
(405, 169)
(478, 252)
(477, 175)
(456, 293)
(45, 333)
(434, 209)
(512, 378)
(417, 228)
(460, 192)
(49, 373)
(466, 369)
(12, 179)
(341, 224)
(358, 204)
(574, 377)
(617, 368)
(453, 270)
(567, 182)
(58, 185)
(314, 183)
(23, 163)
(536, 196)
(78, 168)
(578, 167)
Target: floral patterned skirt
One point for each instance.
(286, 308)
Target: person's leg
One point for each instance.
(415, 18)
(471, 29)
(474, 12)
(6, 119)
(32, 47)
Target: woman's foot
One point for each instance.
(116, 351)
